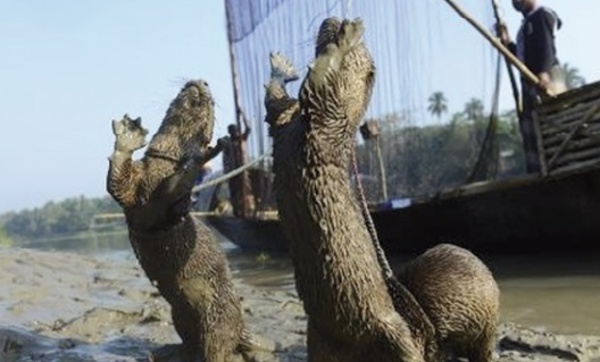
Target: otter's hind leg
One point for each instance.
(188, 331)
(483, 349)
(322, 348)
(394, 339)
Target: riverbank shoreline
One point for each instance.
(57, 306)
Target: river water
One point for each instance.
(558, 293)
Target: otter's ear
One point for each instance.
(117, 127)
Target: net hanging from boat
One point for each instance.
(420, 48)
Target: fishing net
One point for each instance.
(420, 48)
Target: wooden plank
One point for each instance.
(566, 118)
(590, 131)
(539, 142)
(565, 122)
(576, 145)
(586, 155)
(570, 98)
(593, 111)
(575, 168)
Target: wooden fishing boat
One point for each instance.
(553, 211)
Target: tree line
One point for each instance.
(64, 217)
(421, 161)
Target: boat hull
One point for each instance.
(526, 214)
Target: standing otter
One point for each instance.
(448, 300)
(178, 253)
(351, 316)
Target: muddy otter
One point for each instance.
(179, 254)
(351, 314)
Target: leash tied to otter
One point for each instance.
(231, 174)
(419, 322)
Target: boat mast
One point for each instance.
(234, 76)
(239, 114)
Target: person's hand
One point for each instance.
(545, 84)
(544, 80)
(502, 32)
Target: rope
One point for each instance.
(230, 174)
(364, 208)
(404, 301)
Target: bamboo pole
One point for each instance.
(234, 75)
(498, 45)
(239, 114)
(382, 176)
(509, 69)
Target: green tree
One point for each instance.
(4, 239)
(438, 104)
(68, 216)
(573, 78)
(474, 109)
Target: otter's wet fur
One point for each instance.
(178, 253)
(351, 316)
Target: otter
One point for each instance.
(178, 253)
(444, 303)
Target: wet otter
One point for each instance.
(351, 314)
(179, 254)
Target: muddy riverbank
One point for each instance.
(61, 306)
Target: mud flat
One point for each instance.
(57, 306)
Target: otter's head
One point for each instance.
(188, 124)
(357, 69)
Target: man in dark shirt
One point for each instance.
(536, 49)
(234, 156)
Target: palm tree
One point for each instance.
(474, 109)
(438, 104)
(573, 78)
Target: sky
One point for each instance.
(68, 67)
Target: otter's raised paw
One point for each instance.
(282, 68)
(130, 134)
(330, 58)
(350, 35)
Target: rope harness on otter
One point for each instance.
(231, 174)
(162, 155)
(411, 310)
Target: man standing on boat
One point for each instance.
(535, 47)
(234, 157)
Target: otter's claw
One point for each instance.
(332, 55)
(130, 134)
(282, 68)
(350, 35)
